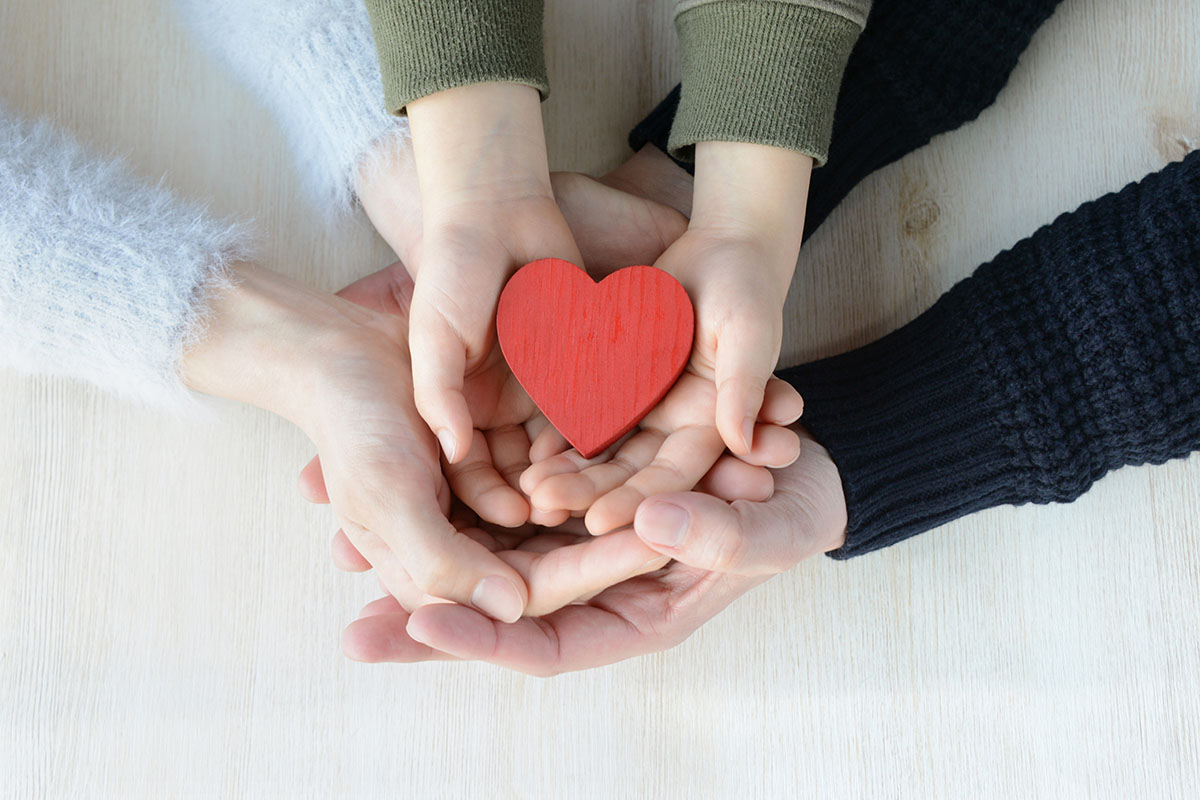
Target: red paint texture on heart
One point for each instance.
(595, 357)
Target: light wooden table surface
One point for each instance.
(171, 619)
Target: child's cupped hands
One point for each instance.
(488, 208)
(671, 450)
(736, 260)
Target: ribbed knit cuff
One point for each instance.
(426, 46)
(760, 72)
(912, 425)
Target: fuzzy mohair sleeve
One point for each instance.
(102, 277)
(313, 65)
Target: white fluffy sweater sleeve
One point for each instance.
(312, 63)
(102, 277)
(105, 278)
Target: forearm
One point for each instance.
(480, 142)
(1070, 355)
(263, 337)
(102, 278)
(756, 192)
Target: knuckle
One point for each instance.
(728, 546)
(434, 574)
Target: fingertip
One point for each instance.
(380, 638)
(311, 482)
(548, 519)
(782, 404)
(528, 480)
(449, 444)
(776, 447)
(503, 506)
(499, 598)
(381, 605)
(453, 629)
(731, 479)
(737, 435)
(357, 647)
(346, 556)
(420, 628)
(437, 394)
(613, 511)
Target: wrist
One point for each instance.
(753, 192)
(262, 341)
(479, 142)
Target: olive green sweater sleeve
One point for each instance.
(426, 46)
(763, 71)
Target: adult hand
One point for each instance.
(635, 230)
(614, 229)
(340, 371)
(556, 569)
(721, 549)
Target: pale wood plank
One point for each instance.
(171, 620)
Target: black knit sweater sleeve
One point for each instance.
(1072, 354)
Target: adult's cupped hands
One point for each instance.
(556, 569)
(720, 549)
(598, 600)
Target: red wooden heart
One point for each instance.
(595, 357)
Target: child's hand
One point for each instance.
(736, 260)
(488, 209)
(673, 448)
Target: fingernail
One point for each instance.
(498, 598)
(664, 524)
(417, 632)
(787, 463)
(748, 432)
(449, 445)
(654, 564)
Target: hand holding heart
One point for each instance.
(677, 444)
(597, 358)
(577, 566)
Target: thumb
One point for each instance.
(439, 361)
(702, 531)
(388, 291)
(745, 360)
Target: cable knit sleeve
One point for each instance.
(102, 277)
(312, 63)
(1072, 354)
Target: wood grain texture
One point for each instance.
(594, 357)
(171, 619)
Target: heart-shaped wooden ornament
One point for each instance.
(595, 357)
